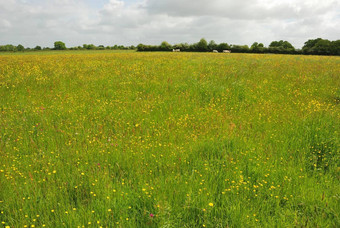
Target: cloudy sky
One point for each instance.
(130, 22)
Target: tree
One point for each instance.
(281, 46)
(318, 47)
(240, 48)
(182, 46)
(165, 46)
(140, 47)
(58, 45)
(287, 45)
(274, 44)
(257, 47)
(89, 46)
(223, 46)
(202, 45)
(185, 46)
(335, 47)
(323, 47)
(281, 43)
(20, 48)
(254, 45)
(212, 45)
(311, 43)
(8, 47)
(37, 48)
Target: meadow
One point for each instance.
(169, 140)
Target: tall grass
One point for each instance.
(169, 140)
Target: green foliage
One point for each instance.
(89, 46)
(223, 46)
(165, 46)
(282, 44)
(335, 49)
(202, 45)
(58, 45)
(321, 47)
(281, 47)
(8, 47)
(212, 45)
(316, 47)
(311, 43)
(141, 47)
(20, 48)
(101, 47)
(240, 48)
(257, 48)
(254, 45)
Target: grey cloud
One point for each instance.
(38, 22)
(246, 9)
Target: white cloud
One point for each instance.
(38, 22)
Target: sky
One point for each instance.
(130, 22)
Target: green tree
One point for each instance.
(8, 47)
(274, 44)
(254, 45)
(240, 48)
(212, 45)
(282, 44)
(318, 47)
(182, 46)
(223, 46)
(58, 45)
(310, 43)
(257, 47)
(165, 46)
(323, 47)
(202, 45)
(20, 48)
(141, 47)
(89, 46)
(37, 48)
(335, 47)
(287, 45)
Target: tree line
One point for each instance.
(317, 46)
(59, 45)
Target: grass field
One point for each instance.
(169, 140)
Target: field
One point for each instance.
(169, 140)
